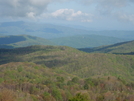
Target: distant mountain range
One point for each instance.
(50, 31)
(79, 41)
(50, 34)
(119, 48)
(82, 41)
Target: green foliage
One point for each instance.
(80, 97)
(75, 80)
(70, 83)
(36, 67)
(60, 79)
(86, 86)
(1, 80)
(46, 94)
(89, 81)
(57, 95)
(20, 69)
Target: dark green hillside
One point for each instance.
(119, 48)
(82, 41)
(11, 39)
(22, 41)
(61, 73)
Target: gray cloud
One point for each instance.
(24, 8)
(114, 3)
(106, 6)
(36, 8)
(125, 17)
(112, 8)
(21, 8)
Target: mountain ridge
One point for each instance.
(126, 47)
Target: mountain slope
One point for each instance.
(119, 48)
(82, 41)
(22, 41)
(25, 81)
(59, 73)
(73, 61)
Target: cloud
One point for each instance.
(112, 9)
(22, 8)
(71, 15)
(107, 6)
(125, 17)
(37, 9)
(114, 3)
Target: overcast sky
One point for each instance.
(99, 14)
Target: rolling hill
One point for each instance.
(119, 48)
(83, 41)
(61, 73)
(22, 41)
(72, 61)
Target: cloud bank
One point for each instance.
(38, 8)
(22, 8)
(71, 15)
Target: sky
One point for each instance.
(96, 14)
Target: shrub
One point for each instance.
(75, 80)
(80, 97)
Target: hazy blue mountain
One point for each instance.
(129, 35)
(46, 31)
(50, 31)
(82, 41)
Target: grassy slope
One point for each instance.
(22, 41)
(119, 48)
(82, 41)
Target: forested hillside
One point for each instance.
(60, 73)
(119, 48)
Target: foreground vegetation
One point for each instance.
(51, 73)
